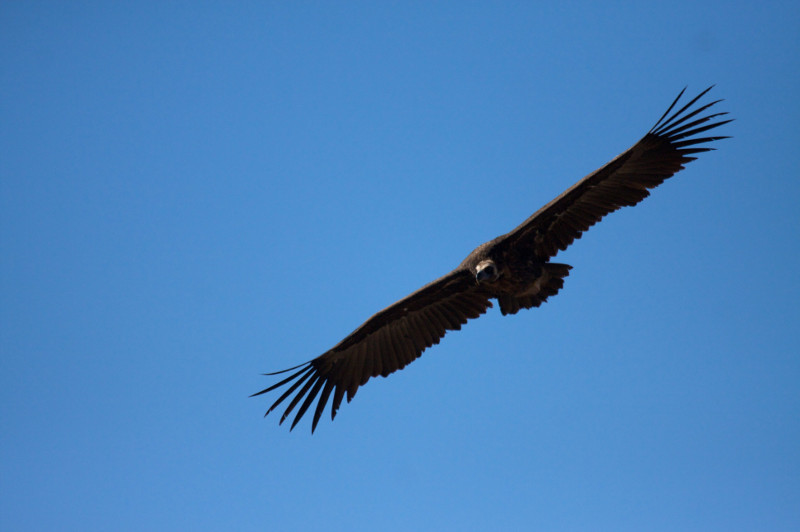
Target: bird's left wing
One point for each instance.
(625, 181)
(385, 343)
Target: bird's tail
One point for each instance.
(547, 284)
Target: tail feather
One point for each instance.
(547, 284)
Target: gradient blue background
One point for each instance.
(195, 193)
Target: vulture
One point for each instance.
(514, 268)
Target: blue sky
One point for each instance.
(192, 194)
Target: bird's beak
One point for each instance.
(483, 274)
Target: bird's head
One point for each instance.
(486, 271)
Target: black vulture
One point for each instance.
(514, 268)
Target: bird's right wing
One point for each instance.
(385, 343)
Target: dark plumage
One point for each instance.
(514, 268)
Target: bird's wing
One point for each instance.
(385, 343)
(623, 182)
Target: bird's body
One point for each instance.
(515, 268)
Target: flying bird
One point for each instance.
(514, 268)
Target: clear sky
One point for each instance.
(194, 193)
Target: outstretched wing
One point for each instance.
(385, 343)
(624, 181)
